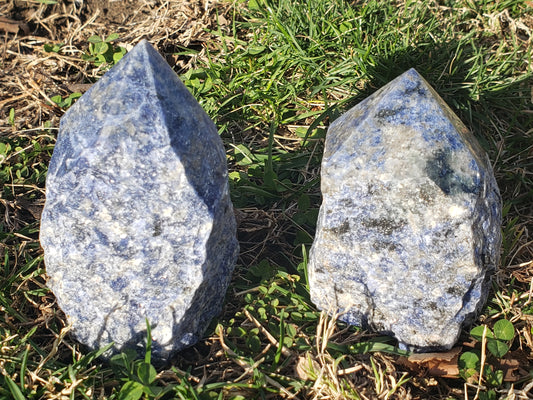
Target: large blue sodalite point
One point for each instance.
(409, 229)
(138, 222)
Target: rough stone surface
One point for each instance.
(138, 222)
(409, 229)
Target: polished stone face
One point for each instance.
(138, 222)
(409, 228)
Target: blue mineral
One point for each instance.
(408, 233)
(138, 223)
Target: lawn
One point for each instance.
(272, 75)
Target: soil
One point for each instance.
(30, 76)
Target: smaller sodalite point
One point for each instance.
(408, 233)
(138, 223)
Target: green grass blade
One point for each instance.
(14, 389)
(148, 354)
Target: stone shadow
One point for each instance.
(446, 67)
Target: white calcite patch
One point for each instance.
(408, 233)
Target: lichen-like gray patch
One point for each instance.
(409, 228)
(138, 222)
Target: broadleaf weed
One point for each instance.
(102, 52)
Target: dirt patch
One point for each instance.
(181, 21)
(30, 75)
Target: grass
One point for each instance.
(273, 76)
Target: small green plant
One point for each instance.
(20, 161)
(103, 51)
(67, 101)
(11, 118)
(498, 339)
(475, 365)
(139, 376)
(53, 48)
(5, 150)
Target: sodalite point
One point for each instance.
(138, 223)
(408, 232)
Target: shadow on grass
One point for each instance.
(450, 67)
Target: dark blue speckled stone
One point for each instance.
(138, 222)
(408, 233)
